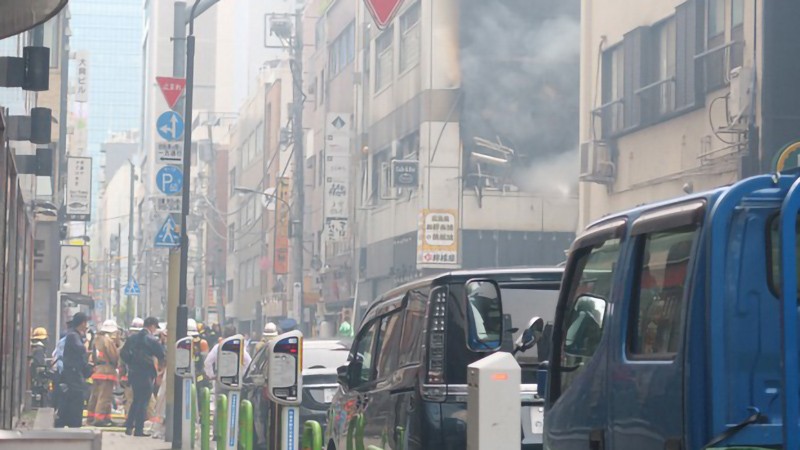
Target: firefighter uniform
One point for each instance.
(106, 359)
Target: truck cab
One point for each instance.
(676, 325)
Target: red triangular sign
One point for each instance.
(172, 88)
(383, 11)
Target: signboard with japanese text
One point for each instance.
(383, 11)
(336, 171)
(71, 273)
(437, 239)
(172, 88)
(169, 152)
(82, 85)
(79, 188)
(167, 204)
(282, 221)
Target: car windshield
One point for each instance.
(328, 357)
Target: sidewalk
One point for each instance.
(112, 440)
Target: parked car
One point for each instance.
(405, 383)
(320, 360)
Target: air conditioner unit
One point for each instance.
(597, 165)
(741, 93)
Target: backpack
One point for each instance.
(126, 354)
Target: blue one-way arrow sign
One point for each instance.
(167, 236)
(170, 126)
(132, 288)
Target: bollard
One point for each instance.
(312, 435)
(205, 417)
(355, 433)
(401, 438)
(246, 425)
(221, 421)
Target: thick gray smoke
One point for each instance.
(519, 65)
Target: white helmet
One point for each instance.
(109, 326)
(191, 327)
(270, 330)
(137, 324)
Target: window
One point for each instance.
(485, 316)
(584, 313)
(410, 351)
(774, 257)
(716, 18)
(233, 182)
(408, 147)
(409, 37)
(321, 168)
(612, 111)
(322, 86)
(363, 356)
(259, 139)
(656, 311)
(384, 59)
(388, 339)
(714, 62)
(342, 51)
(737, 13)
(737, 33)
(665, 39)
(379, 159)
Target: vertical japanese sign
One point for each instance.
(79, 188)
(82, 86)
(336, 170)
(71, 274)
(282, 219)
(437, 239)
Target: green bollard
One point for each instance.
(221, 421)
(205, 418)
(401, 438)
(355, 433)
(246, 425)
(312, 436)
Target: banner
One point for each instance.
(437, 239)
(336, 169)
(282, 220)
(71, 274)
(79, 188)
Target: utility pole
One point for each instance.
(131, 259)
(177, 313)
(117, 292)
(298, 191)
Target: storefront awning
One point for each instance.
(18, 16)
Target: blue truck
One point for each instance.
(677, 326)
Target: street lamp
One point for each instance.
(269, 197)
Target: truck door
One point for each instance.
(577, 399)
(646, 370)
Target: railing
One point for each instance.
(656, 99)
(612, 117)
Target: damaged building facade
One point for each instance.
(465, 138)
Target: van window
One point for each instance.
(656, 309)
(584, 314)
(388, 338)
(413, 328)
(363, 354)
(485, 314)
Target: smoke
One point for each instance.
(519, 62)
(554, 175)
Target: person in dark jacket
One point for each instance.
(72, 383)
(144, 350)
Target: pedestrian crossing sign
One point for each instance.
(168, 235)
(132, 288)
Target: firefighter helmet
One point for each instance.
(39, 333)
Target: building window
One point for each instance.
(342, 51)
(384, 59)
(612, 110)
(233, 182)
(716, 18)
(259, 139)
(379, 160)
(737, 33)
(409, 37)
(408, 147)
(658, 96)
(321, 91)
(714, 66)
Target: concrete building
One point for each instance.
(680, 96)
(465, 138)
(259, 160)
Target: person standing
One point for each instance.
(270, 331)
(38, 366)
(76, 370)
(139, 353)
(136, 326)
(211, 361)
(200, 347)
(106, 358)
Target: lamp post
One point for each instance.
(270, 197)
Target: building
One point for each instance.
(682, 96)
(465, 144)
(108, 34)
(257, 225)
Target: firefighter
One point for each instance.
(105, 354)
(136, 326)
(200, 347)
(270, 331)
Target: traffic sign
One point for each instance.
(132, 288)
(172, 88)
(169, 152)
(170, 126)
(383, 11)
(168, 203)
(169, 180)
(168, 236)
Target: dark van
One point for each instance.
(405, 384)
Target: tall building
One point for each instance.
(110, 32)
